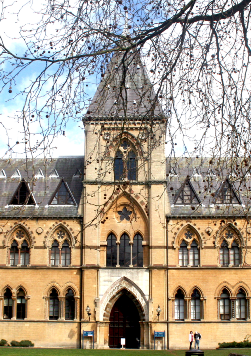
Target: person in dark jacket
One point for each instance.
(197, 337)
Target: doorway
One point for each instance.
(124, 323)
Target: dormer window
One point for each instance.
(125, 162)
(23, 195)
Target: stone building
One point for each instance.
(123, 241)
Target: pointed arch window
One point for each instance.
(229, 256)
(125, 162)
(124, 251)
(14, 254)
(65, 254)
(24, 254)
(235, 254)
(137, 251)
(224, 254)
(55, 254)
(224, 305)
(131, 166)
(195, 305)
(183, 254)
(118, 166)
(54, 305)
(111, 251)
(241, 305)
(69, 305)
(194, 254)
(21, 304)
(8, 304)
(179, 306)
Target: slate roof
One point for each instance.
(42, 188)
(207, 177)
(124, 91)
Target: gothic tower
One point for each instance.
(125, 204)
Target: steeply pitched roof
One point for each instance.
(220, 192)
(42, 186)
(125, 90)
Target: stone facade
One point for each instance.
(118, 226)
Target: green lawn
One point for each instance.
(66, 352)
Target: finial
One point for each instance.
(126, 29)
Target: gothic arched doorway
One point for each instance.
(124, 323)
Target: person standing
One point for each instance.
(191, 339)
(197, 337)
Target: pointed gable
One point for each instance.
(226, 194)
(186, 195)
(2, 174)
(54, 174)
(62, 195)
(16, 174)
(23, 195)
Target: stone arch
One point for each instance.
(131, 201)
(221, 287)
(219, 236)
(5, 288)
(70, 285)
(113, 233)
(241, 285)
(136, 145)
(53, 285)
(126, 233)
(180, 235)
(124, 286)
(13, 235)
(52, 236)
(182, 289)
(198, 289)
(20, 286)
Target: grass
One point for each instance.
(8, 351)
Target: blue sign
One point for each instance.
(88, 333)
(159, 333)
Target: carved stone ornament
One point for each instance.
(142, 135)
(106, 136)
(39, 230)
(209, 230)
(249, 230)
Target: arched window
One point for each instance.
(69, 305)
(14, 254)
(111, 251)
(183, 254)
(241, 305)
(179, 306)
(137, 251)
(131, 166)
(235, 254)
(54, 305)
(65, 254)
(224, 254)
(194, 254)
(8, 303)
(21, 304)
(125, 162)
(118, 166)
(124, 251)
(55, 254)
(24, 254)
(195, 305)
(225, 305)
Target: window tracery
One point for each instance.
(229, 249)
(60, 249)
(189, 249)
(125, 162)
(19, 251)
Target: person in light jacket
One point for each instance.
(191, 339)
